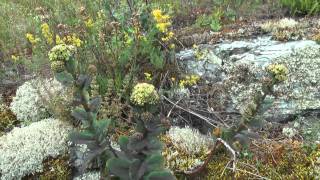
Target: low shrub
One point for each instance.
(302, 6)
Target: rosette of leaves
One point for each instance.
(94, 132)
(140, 156)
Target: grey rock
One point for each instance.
(300, 92)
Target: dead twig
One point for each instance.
(211, 152)
(208, 120)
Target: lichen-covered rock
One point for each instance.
(23, 150)
(245, 62)
(32, 99)
(201, 61)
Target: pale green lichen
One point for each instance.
(143, 94)
(283, 29)
(24, 149)
(187, 148)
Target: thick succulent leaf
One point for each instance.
(101, 126)
(64, 78)
(81, 115)
(243, 139)
(84, 81)
(160, 175)
(85, 135)
(77, 98)
(79, 138)
(136, 144)
(71, 65)
(256, 122)
(134, 170)
(153, 146)
(119, 167)
(95, 104)
(90, 156)
(154, 162)
(123, 142)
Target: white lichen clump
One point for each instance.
(23, 150)
(32, 98)
(289, 132)
(88, 176)
(189, 140)
(286, 23)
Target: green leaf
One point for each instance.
(136, 144)
(134, 170)
(123, 142)
(81, 115)
(154, 162)
(160, 175)
(83, 82)
(215, 25)
(64, 78)
(101, 125)
(71, 65)
(119, 167)
(95, 104)
(85, 135)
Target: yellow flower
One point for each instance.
(30, 37)
(157, 14)
(89, 23)
(14, 58)
(168, 37)
(163, 27)
(278, 71)
(45, 30)
(59, 40)
(73, 40)
(127, 39)
(189, 81)
(163, 21)
(144, 93)
(172, 46)
(76, 41)
(148, 76)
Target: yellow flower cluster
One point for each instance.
(89, 23)
(148, 76)
(30, 37)
(278, 71)
(45, 30)
(189, 81)
(14, 58)
(73, 40)
(168, 36)
(59, 54)
(143, 94)
(70, 39)
(163, 24)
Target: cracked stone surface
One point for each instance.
(299, 93)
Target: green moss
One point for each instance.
(57, 168)
(284, 161)
(7, 120)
